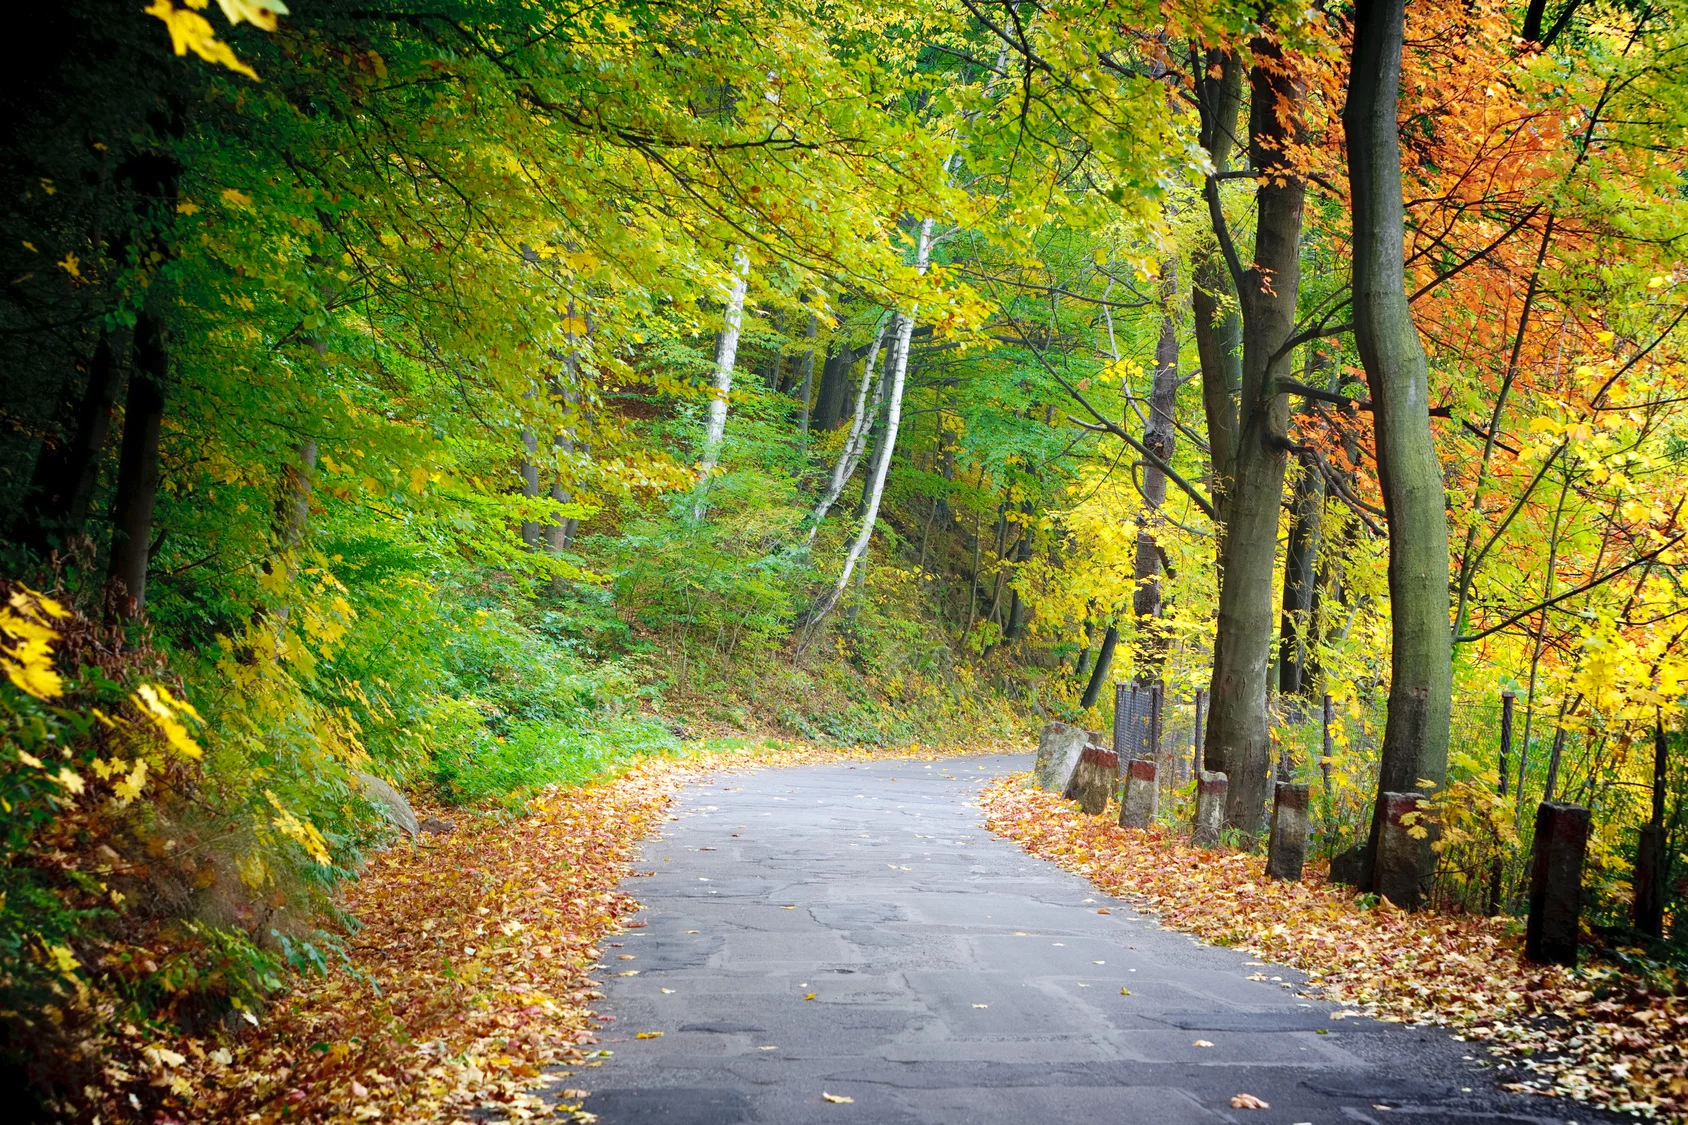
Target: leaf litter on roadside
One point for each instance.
(1604, 1034)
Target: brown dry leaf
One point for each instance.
(836, 1099)
(1607, 1035)
(1249, 1101)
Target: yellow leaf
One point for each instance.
(648, 1035)
(235, 198)
(190, 31)
(261, 13)
(1249, 1101)
(837, 1099)
(811, 996)
(71, 265)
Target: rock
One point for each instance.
(390, 801)
(1141, 800)
(1287, 852)
(439, 826)
(1350, 867)
(1058, 749)
(1094, 779)
(1211, 787)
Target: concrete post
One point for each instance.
(1210, 808)
(1141, 800)
(1288, 849)
(1058, 749)
(1550, 935)
(1652, 862)
(1094, 780)
(1400, 852)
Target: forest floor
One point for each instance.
(475, 986)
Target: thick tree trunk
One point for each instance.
(725, 356)
(1238, 741)
(1160, 431)
(137, 472)
(67, 474)
(1415, 738)
(1218, 329)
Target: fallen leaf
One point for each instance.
(1202, 1043)
(981, 1005)
(648, 1035)
(811, 996)
(1104, 910)
(1249, 1101)
(1125, 992)
(836, 1099)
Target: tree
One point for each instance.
(1415, 742)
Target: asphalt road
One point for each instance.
(853, 931)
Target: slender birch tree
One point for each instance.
(725, 356)
(903, 333)
(855, 442)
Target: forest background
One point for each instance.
(485, 394)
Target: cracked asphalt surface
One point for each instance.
(853, 931)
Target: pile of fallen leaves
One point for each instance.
(467, 977)
(466, 987)
(1603, 1035)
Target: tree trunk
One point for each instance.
(1238, 741)
(1159, 434)
(888, 446)
(1415, 738)
(66, 475)
(835, 382)
(530, 484)
(726, 354)
(1218, 329)
(1099, 676)
(806, 371)
(1296, 635)
(856, 440)
(137, 472)
(1022, 554)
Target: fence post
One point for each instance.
(1196, 763)
(1508, 700)
(1121, 710)
(1652, 860)
(1550, 934)
(1324, 760)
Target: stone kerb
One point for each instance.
(1401, 871)
(1140, 801)
(1287, 852)
(1094, 780)
(1211, 787)
(1058, 750)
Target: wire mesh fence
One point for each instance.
(1504, 759)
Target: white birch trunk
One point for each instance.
(876, 491)
(724, 360)
(855, 443)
